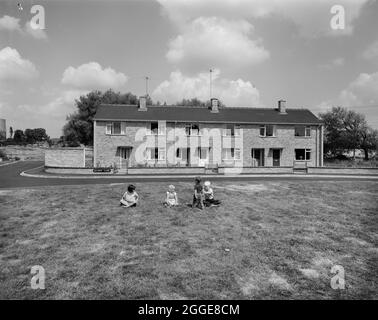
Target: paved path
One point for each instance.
(10, 178)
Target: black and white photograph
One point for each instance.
(200, 152)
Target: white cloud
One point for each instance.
(10, 23)
(50, 115)
(92, 76)
(360, 93)
(35, 33)
(215, 42)
(335, 63)
(232, 92)
(13, 24)
(311, 17)
(371, 53)
(14, 67)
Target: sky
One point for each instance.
(259, 51)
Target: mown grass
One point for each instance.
(269, 240)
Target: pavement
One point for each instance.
(10, 177)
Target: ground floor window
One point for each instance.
(257, 157)
(155, 153)
(231, 154)
(302, 154)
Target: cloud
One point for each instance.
(311, 17)
(35, 33)
(335, 63)
(232, 92)
(10, 23)
(360, 93)
(215, 42)
(14, 67)
(371, 53)
(50, 115)
(92, 76)
(13, 24)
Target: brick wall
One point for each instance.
(106, 146)
(65, 157)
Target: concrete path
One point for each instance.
(10, 177)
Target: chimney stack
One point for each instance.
(282, 106)
(214, 105)
(142, 104)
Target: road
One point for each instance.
(10, 178)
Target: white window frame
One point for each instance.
(307, 150)
(237, 130)
(233, 151)
(189, 129)
(305, 132)
(161, 154)
(265, 130)
(109, 128)
(307, 128)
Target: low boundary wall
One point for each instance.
(65, 157)
(338, 170)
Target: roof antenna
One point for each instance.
(147, 78)
(211, 94)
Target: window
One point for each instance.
(155, 153)
(303, 154)
(202, 153)
(116, 128)
(231, 154)
(302, 131)
(154, 126)
(231, 130)
(192, 129)
(161, 153)
(268, 131)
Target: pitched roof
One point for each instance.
(201, 114)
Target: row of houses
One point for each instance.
(141, 135)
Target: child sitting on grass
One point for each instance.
(171, 198)
(198, 194)
(130, 197)
(208, 195)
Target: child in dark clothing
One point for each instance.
(198, 194)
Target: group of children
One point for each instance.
(203, 196)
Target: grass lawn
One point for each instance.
(269, 240)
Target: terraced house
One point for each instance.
(175, 136)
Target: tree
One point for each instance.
(347, 130)
(19, 137)
(36, 135)
(79, 126)
(10, 132)
(195, 102)
(369, 141)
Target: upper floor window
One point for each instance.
(156, 128)
(192, 129)
(302, 131)
(231, 130)
(116, 128)
(268, 130)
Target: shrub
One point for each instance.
(2, 154)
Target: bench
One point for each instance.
(102, 169)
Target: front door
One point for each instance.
(257, 157)
(124, 156)
(276, 157)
